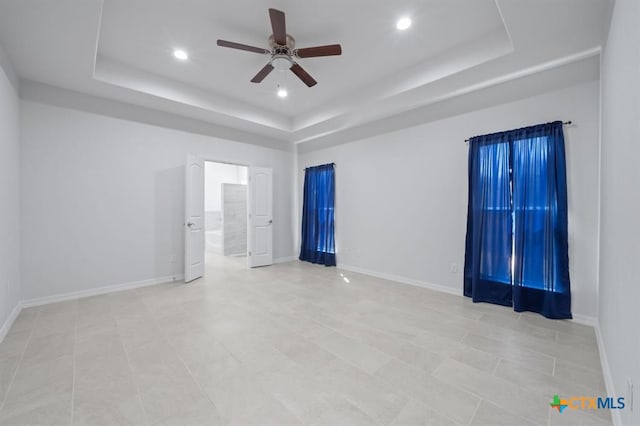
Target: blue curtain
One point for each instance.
(537, 259)
(487, 265)
(541, 253)
(318, 243)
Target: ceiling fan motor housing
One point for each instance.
(291, 43)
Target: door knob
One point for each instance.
(270, 221)
(190, 224)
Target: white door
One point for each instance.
(194, 219)
(260, 220)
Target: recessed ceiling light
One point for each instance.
(180, 54)
(282, 93)
(403, 23)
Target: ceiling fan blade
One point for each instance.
(240, 46)
(303, 75)
(312, 52)
(279, 27)
(262, 73)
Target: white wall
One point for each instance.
(401, 197)
(620, 207)
(215, 174)
(9, 195)
(104, 198)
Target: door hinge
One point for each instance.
(249, 253)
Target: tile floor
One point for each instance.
(292, 344)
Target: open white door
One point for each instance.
(194, 219)
(260, 220)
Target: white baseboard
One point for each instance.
(285, 259)
(608, 378)
(10, 319)
(100, 290)
(401, 279)
(585, 320)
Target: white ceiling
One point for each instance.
(122, 50)
(142, 35)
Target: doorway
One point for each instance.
(237, 202)
(225, 212)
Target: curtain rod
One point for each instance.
(326, 164)
(566, 123)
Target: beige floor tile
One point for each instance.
(118, 410)
(503, 322)
(165, 384)
(358, 354)
(415, 413)
(66, 306)
(8, 367)
(97, 323)
(103, 378)
(569, 372)
(47, 384)
(449, 348)
(169, 399)
(534, 360)
(138, 333)
(508, 395)
(302, 326)
(100, 344)
(56, 413)
(55, 322)
(263, 409)
(419, 357)
(14, 344)
(439, 395)
(575, 329)
(25, 321)
(263, 357)
(489, 414)
(371, 395)
(304, 397)
(542, 384)
(48, 348)
(229, 387)
(370, 336)
(200, 412)
(302, 351)
(586, 357)
(341, 411)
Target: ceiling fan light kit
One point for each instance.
(283, 52)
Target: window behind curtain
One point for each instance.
(532, 208)
(494, 184)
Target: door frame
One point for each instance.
(231, 163)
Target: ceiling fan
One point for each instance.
(283, 52)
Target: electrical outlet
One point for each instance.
(454, 268)
(630, 393)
